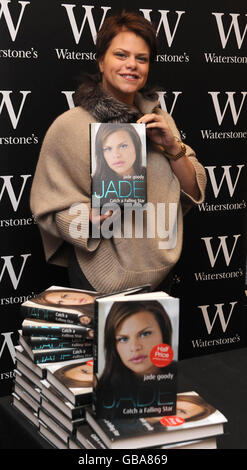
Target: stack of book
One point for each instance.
(121, 392)
(54, 367)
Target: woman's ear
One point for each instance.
(101, 65)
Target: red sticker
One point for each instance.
(172, 421)
(161, 355)
(90, 363)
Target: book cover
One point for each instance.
(73, 379)
(194, 419)
(39, 343)
(135, 355)
(62, 305)
(42, 356)
(33, 327)
(118, 164)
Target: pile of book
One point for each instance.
(55, 346)
(66, 368)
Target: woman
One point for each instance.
(132, 331)
(61, 191)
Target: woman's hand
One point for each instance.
(159, 132)
(96, 218)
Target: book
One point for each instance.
(135, 355)
(33, 327)
(25, 409)
(29, 374)
(65, 423)
(73, 379)
(26, 397)
(54, 426)
(45, 355)
(118, 164)
(61, 305)
(61, 403)
(28, 385)
(36, 343)
(51, 437)
(87, 437)
(38, 369)
(200, 420)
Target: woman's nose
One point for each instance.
(131, 62)
(135, 345)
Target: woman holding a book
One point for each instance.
(61, 192)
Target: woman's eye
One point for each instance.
(106, 149)
(123, 146)
(122, 340)
(142, 59)
(120, 54)
(146, 333)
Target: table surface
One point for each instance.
(221, 379)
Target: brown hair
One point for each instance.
(207, 409)
(126, 21)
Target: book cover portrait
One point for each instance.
(118, 163)
(136, 358)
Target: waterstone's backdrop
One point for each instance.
(201, 73)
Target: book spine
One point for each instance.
(95, 351)
(49, 315)
(62, 355)
(58, 331)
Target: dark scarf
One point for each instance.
(104, 107)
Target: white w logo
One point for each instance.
(8, 103)
(234, 25)
(4, 11)
(9, 343)
(226, 176)
(230, 102)
(219, 313)
(164, 21)
(162, 100)
(88, 16)
(222, 246)
(8, 266)
(15, 201)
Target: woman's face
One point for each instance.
(186, 409)
(69, 298)
(82, 372)
(119, 152)
(125, 66)
(85, 320)
(135, 338)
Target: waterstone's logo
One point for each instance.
(12, 13)
(217, 318)
(228, 106)
(221, 250)
(232, 29)
(223, 178)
